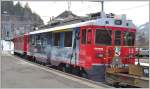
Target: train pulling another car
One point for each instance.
(84, 48)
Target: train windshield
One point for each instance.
(118, 38)
(103, 37)
(129, 38)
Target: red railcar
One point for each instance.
(83, 48)
(21, 44)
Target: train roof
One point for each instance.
(99, 22)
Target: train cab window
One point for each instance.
(68, 39)
(103, 37)
(117, 37)
(129, 38)
(57, 39)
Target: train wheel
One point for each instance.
(84, 74)
(25, 56)
(116, 84)
(15, 53)
(63, 69)
(76, 71)
(43, 63)
(68, 69)
(48, 62)
(34, 59)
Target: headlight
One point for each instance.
(99, 55)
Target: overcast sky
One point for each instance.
(138, 11)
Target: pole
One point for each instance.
(102, 14)
(138, 56)
(69, 4)
(102, 3)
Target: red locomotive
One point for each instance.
(83, 48)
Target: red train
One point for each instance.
(83, 48)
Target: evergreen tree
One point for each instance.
(37, 19)
(18, 9)
(27, 8)
(7, 6)
(27, 12)
(22, 13)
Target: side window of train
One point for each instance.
(44, 42)
(49, 38)
(38, 43)
(57, 39)
(38, 39)
(32, 40)
(68, 39)
(44, 39)
(117, 37)
(83, 40)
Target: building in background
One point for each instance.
(12, 26)
(142, 36)
(17, 20)
(7, 27)
(67, 17)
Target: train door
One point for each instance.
(49, 47)
(89, 47)
(26, 43)
(75, 46)
(86, 47)
(128, 49)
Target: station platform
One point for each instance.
(17, 73)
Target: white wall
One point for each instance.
(7, 46)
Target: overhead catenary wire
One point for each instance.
(131, 8)
(135, 7)
(69, 5)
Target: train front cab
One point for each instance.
(98, 47)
